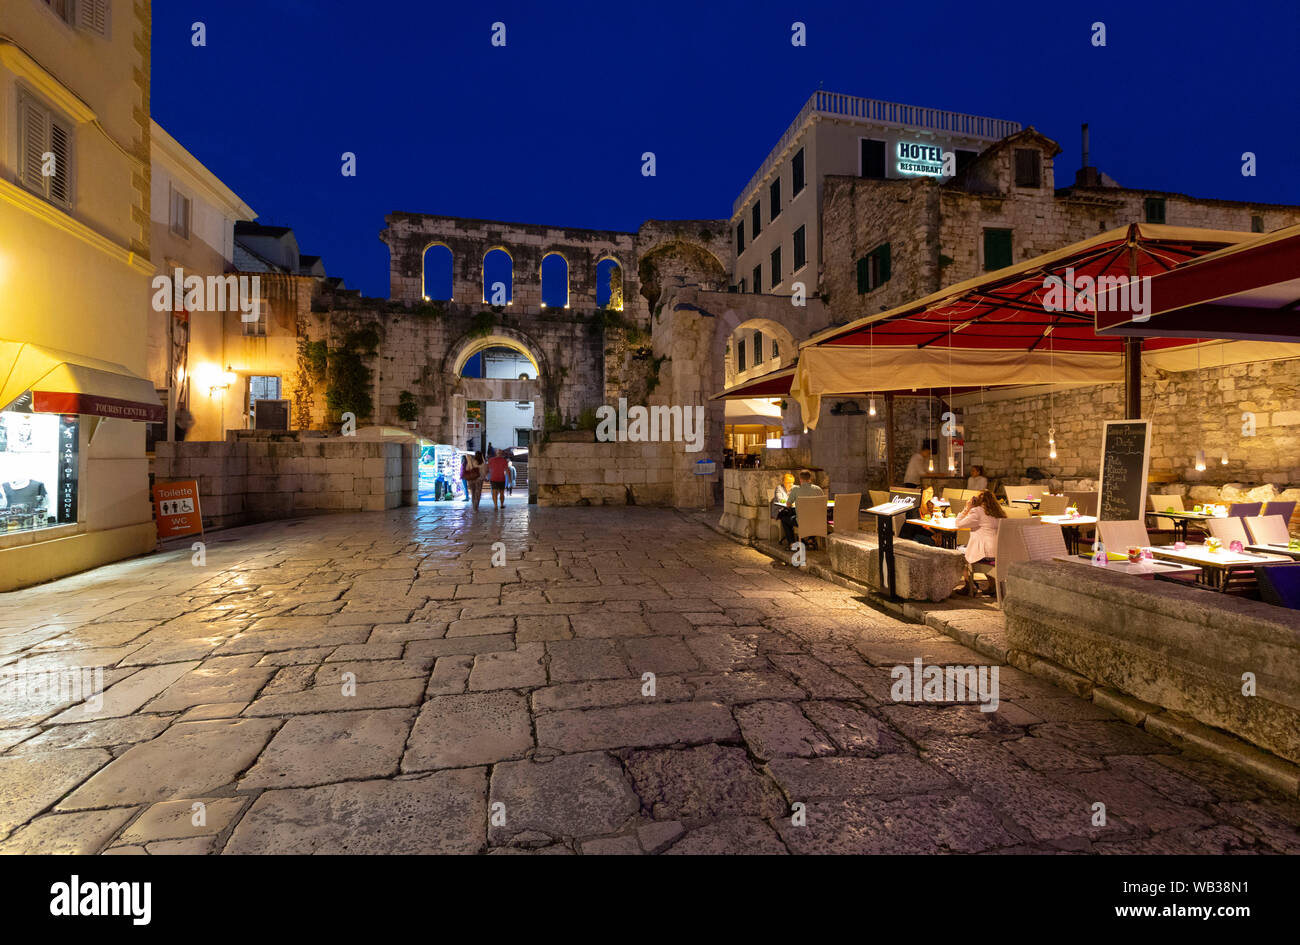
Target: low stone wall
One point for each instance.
(244, 480)
(574, 469)
(921, 572)
(747, 493)
(1182, 648)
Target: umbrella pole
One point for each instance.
(889, 439)
(1133, 378)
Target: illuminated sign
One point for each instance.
(924, 159)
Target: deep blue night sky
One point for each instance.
(551, 128)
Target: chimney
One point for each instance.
(1087, 175)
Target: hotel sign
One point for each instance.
(915, 158)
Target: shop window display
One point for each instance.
(38, 468)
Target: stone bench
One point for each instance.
(921, 572)
(1182, 648)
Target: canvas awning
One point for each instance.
(63, 382)
(774, 384)
(752, 411)
(1249, 291)
(997, 329)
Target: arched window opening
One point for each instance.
(609, 285)
(498, 277)
(437, 273)
(555, 281)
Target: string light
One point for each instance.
(1051, 394)
(1200, 453)
(871, 405)
(1223, 366)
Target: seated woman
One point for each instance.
(977, 481)
(981, 516)
(921, 534)
(782, 495)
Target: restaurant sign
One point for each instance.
(925, 159)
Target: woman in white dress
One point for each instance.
(982, 516)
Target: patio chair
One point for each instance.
(1020, 492)
(1229, 529)
(1284, 509)
(1010, 548)
(954, 495)
(845, 517)
(1053, 505)
(1245, 509)
(1279, 584)
(1085, 502)
(1117, 536)
(1267, 529)
(1043, 541)
(878, 497)
(1017, 511)
(810, 515)
(1162, 503)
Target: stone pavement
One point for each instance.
(373, 684)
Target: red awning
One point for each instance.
(1250, 291)
(775, 384)
(1031, 323)
(64, 382)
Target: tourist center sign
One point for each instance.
(926, 159)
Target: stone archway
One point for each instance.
(463, 390)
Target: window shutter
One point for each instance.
(884, 262)
(92, 16)
(864, 275)
(35, 135)
(61, 147)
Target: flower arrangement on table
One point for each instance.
(1213, 545)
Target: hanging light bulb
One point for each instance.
(871, 407)
(1051, 443)
(952, 460)
(1200, 460)
(1224, 460)
(931, 469)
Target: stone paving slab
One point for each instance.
(369, 683)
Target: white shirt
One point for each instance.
(915, 467)
(977, 483)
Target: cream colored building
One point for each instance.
(74, 286)
(776, 220)
(194, 216)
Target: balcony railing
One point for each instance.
(836, 105)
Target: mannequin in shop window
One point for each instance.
(26, 495)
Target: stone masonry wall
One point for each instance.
(573, 469)
(245, 479)
(1189, 410)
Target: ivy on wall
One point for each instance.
(348, 377)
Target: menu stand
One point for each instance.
(885, 514)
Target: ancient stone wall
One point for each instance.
(1190, 410)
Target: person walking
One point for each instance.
(472, 474)
(511, 473)
(498, 471)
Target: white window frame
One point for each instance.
(176, 193)
(36, 182)
(87, 16)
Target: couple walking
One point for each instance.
(499, 470)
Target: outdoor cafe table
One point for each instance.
(1072, 525)
(1276, 550)
(1182, 519)
(1146, 568)
(1215, 566)
(946, 527)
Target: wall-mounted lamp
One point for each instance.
(228, 378)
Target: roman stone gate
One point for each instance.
(554, 295)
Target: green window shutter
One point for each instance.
(997, 249)
(884, 262)
(864, 275)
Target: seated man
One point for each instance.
(789, 515)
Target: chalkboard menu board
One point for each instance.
(1125, 455)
